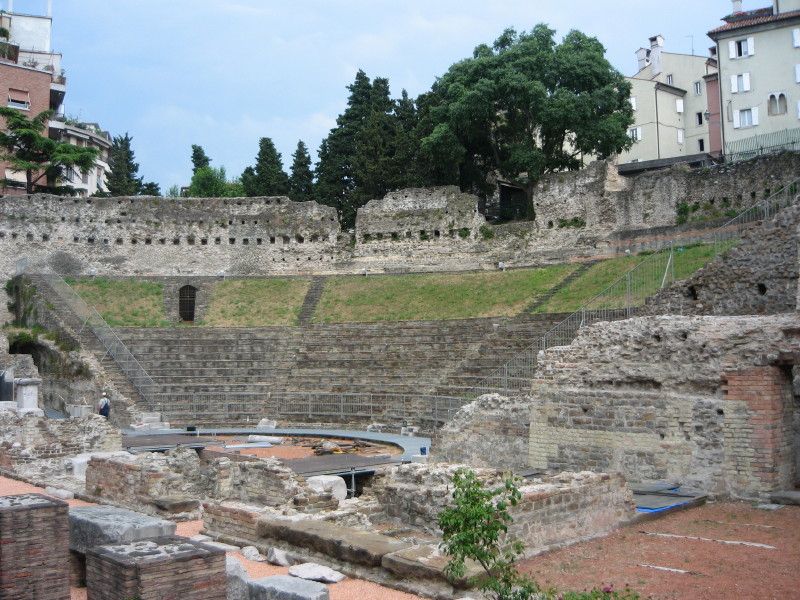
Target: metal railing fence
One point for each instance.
(88, 316)
(760, 145)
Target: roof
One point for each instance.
(755, 20)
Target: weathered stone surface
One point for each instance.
(426, 561)
(329, 484)
(279, 557)
(237, 579)
(285, 587)
(787, 497)
(316, 572)
(176, 504)
(91, 526)
(252, 553)
(343, 543)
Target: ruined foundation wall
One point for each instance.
(552, 511)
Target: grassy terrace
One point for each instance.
(277, 300)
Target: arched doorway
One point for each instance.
(186, 300)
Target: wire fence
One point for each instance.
(760, 145)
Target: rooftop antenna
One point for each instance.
(692, 37)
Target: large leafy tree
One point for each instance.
(210, 182)
(25, 148)
(267, 177)
(525, 107)
(301, 180)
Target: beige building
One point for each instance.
(759, 77)
(670, 104)
(84, 134)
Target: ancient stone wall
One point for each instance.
(492, 431)
(757, 276)
(578, 215)
(705, 401)
(553, 510)
(138, 480)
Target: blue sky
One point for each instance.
(224, 73)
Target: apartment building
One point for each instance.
(669, 95)
(759, 78)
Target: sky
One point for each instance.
(225, 73)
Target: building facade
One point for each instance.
(669, 95)
(759, 78)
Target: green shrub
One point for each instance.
(486, 232)
(574, 222)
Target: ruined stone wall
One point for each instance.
(492, 431)
(29, 438)
(181, 472)
(757, 276)
(553, 510)
(578, 215)
(704, 401)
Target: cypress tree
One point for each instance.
(122, 179)
(301, 181)
(267, 177)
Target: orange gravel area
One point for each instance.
(716, 569)
(289, 450)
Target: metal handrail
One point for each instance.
(133, 370)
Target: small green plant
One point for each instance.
(683, 213)
(463, 233)
(476, 528)
(486, 232)
(574, 222)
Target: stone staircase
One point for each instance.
(544, 298)
(311, 300)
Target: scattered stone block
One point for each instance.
(267, 424)
(329, 445)
(79, 411)
(787, 497)
(316, 572)
(342, 543)
(252, 553)
(34, 548)
(426, 561)
(176, 504)
(379, 427)
(329, 484)
(58, 493)
(409, 431)
(223, 547)
(150, 417)
(269, 439)
(276, 556)
(237, 579)
(162, 567)
(285, 587)
(91, 526)
(420, 458)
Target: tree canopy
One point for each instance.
(527, 106)
(122, 179)
(199, 158)
(43, 160)
(267, 177)
(301, 180)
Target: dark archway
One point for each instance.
(186, 302)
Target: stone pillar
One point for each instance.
(28, 396)
(34, 548)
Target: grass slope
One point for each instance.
(435, 296)
(256, 302)
(125, 303)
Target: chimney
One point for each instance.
(737, 6)
(50, 8)
(643, 57)
(656, 45)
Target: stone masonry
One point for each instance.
(34, 548)
(578, 215)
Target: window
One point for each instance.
(635, 133)
(698, 88)
(19, 99)
(797, 73)
(680, 136)
(740, 83)
(701, 145)
(698, 118)
(633, 102)
(796, 38)
(679, 105)
(741, 48)
(747, 117)
(670, 79)
(777, 104)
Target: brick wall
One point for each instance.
(553, 510)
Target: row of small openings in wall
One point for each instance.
(175, 241)
(298, 259)
(423, 235)
(692, 291)
(28, 236)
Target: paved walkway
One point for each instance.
(410, 445)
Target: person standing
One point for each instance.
(104, 405)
